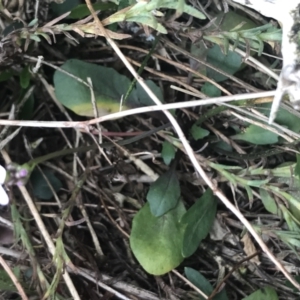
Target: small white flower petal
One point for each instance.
(2, 175)
(3, 196)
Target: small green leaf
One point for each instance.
(257, 135)
(266, 293)
(60, 8)
(156, 242)
(210, 90)
(198, 132)
(164, 193)
(197, 222)
(81, 10)
(268, 202)
(40, 186)
(168, 152)
(229, 63)
(203, 284)
(297, 166)
(25, 77)
(143, 97)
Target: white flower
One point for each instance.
(3, 196)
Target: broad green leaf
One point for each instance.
(266, 293)
(198, 132)
(168, 152)
(203, 284)
(164, 193)
(156, 241)
(108, 85)
(40, 186)
(268, 202)
(197, 222)
(257, 135)
(229, 63)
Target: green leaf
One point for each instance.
(198, 132)
(142, 97)
(60, 8)
(266, 293)
(229, 63)
(81, 10)
(197, 222)
(25, 77)
(203, 284)
(168, 152)
(108, 85)
(257, 135)
(164, 193)
(283, 117)
(268, 202)
(40, 186)
(156, 242)
(210, 90)
(297, 167)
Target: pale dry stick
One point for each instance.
(189, 151)
(183, 67)
(168, 78)
(95, 110)
(13, 278)
(204, 63)
(264, 119)
(120, 285)
(257, 63)
(84, 124)
(43, 230)
(190, 284)
(263, 126)
(86, 275)
(138, 162)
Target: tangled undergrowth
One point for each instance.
(111, 205)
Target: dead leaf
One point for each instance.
(250, 249)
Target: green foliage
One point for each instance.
(61, 8)
(143, 12)
(266, 293)
(268, 202)
(238, 29)
(297, 166)
(257, 135)
(198, 132)
(82, 11)
(210, 90)
(156, 241)
(229, 63)
(25, 77)
(164, 193)
(197, 222)
(108, 85)
(168, 152)
(40, 186)
(203, 284)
